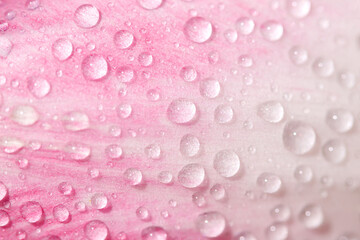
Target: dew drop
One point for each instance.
(66, 189)
(334, 151)
(198, 29)
(123, 39)
(280, 213)
(209, 88)
(245, 25)
(211, 224)
(298, 55)
(99, 201)
(277, 231)
(231, 35)
(24, 115)
(245, 61)
(153, 95)
(303, 174)
(340, 120)
(94, 173)
(299, 8)
(145, 59)
(182, 111)
(94, 67)
(165, 177)
(153, 151)
(5, 47)
(32, 212)
(62, 49)
(133, 176)
(80, 207)
(32, 4)
(223, 114)
(150, 4)
(269, 183)
(11, 144)
(272, 30)
(3, 192)
(245, 236)
(125, 74)
(4, 218)
(75, 121)
(191, 175)
(299, 137)
(271, 111)
(218, 192)
(189, 145)
(86, 16)
(323, 67)
(312, 216)
(38, 87)
(154, 233)
(226, 163)
(347, 79)
(78, 151)
(124, 110)
(143, 214)
(198, 199)
(96, 230)
(188, 73)
(61, 213)
(113, 151)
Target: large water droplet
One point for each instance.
(133, 176)
(211, 224)
(323, 67)
(277, 231)
(86, 16)
(340, 120)
(272, 30)
(123, 39)
(189, 145)
(154, 233)
(4, 218)
(299, 137)
(298, 8)
(226, 163)
(24, 115)
(94, 67)
(38, 87)
(334, 151)
(78, 151)
(150, 4)
(298, 55)
(198, 29)
(76, 121)
(209, 88)
(303, 174)
(188, 73)
(271, 111)
(32, 212)
(61, 213)
(280, 213)
(182, 111)
(269, 182)
(312, 216)
(223, 114)
(5, 47)
(191, 175)
(62, 49)
(11, 144)
(96, 230)
(245, 25)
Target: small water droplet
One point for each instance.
(165, 177)
(113, 151)
(3, 192)
(154, 233)
(226, 163)
(231, 35)
(272, 30)
(277, 231)
(223, 114)
(347, 79)
(245, 236)
(133, 176)
(198, 199)
(32, 212)
(311, 216)
(94, 67)
(4, 218)
(24, 115)
(303, 174)
(209, 88)
(218, 192)
(299, 137)
(271, 111)
(182, 111)
(211, 224)
(153, 95)
(299, 8)
(323, 67)
(145, 59)
(77, 151)
(198, 29)
(269, 183)
(280, 213)
(150, 4)
(298, 55)
(86, 16)
(61, 213)
(38, 87)
(124, 39)
(188, 73)
(334, 151)
(125, 74)
(143, 214)
(80, 206)
(96, 230)
(99, 201)
(75, 121)
(340, 120)
(124, 110)
(153, 151)
(245, 25)
(189, 145)
(66, 189)
(191, 175)
(11, 145)
(62, 49)
(245, 61)
(5, 47)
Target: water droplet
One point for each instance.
(153, 151)
(62, 49)
(218, 192)
(271, 111)
(21, 234)
(32, 212)
(75, 121)
(323, 67)
(182, 111)
(153, 95)
(4, 218)
(154, 233)
(66, 189)
(298, 55)
(280, 213)
(150, 4)
(133, 176)
(3, 192)
(5, 47)
(165, 177)
(211, 224)
(272, 30)
(143, 214)
(334, 151)
(189, 145)
(38, 87)
(61, 213)
(299, 137)
(277, 231)
(231, 35)
(32, 4)
(226, 163)
(299, 8)
(24, 115)
(94, 173)
(198, 199)
(121, 236)
(125, 74)
(145, 59)
(347, 79)
(22, 163)
(245, 61)
(10, 14)
(11, 144)
(213, 57)
(245, 236)
(94, 67)
(198, 29)
(340, 120)
(115, 131)
(51, 237)
(86, 16)
(312, 216)
(124, 110)
(99, 201)
(191, 175)
(96, 230)
(269, 182)
(223, 114)
(188, 73)
(113, 151)
(124, 39)
(209, 88)
(77, 151)
(303, 174)
(245, 25)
